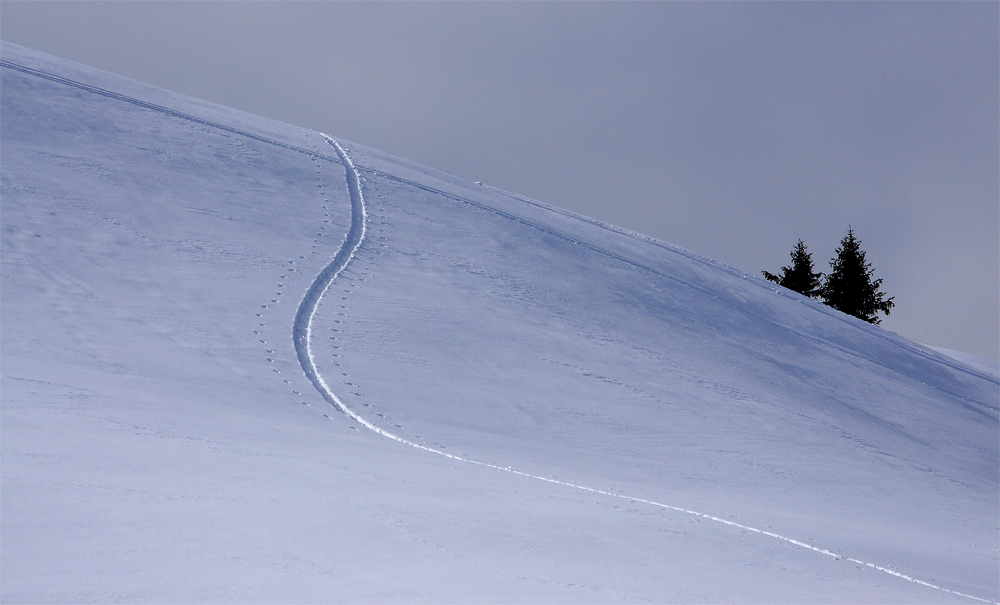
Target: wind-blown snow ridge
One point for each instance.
(302, 334)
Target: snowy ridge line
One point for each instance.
(943, 360)
(302, 333)
(854, 322)
(644, 238)
(542, 228)
(600, 224)
(869, 328)
(158, 108)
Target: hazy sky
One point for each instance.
(731, 129)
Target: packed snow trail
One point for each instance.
(302, 334)
(302, 328)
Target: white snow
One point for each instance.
(981, 364)
(560, 410)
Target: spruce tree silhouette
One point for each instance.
(850, 288)
(799, 276)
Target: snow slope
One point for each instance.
(538, 406)
(986, 366)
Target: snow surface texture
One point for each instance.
(619, 419)
(986, 366)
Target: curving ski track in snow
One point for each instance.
(302, 326)
(302, 334)
(301, 331)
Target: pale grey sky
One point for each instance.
(731, 129)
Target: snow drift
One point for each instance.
(528, 405)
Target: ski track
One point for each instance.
(302, 333)
(302, 326)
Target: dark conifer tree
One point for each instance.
(850, 288)
(798, 276)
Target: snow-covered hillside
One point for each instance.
(243, 361)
